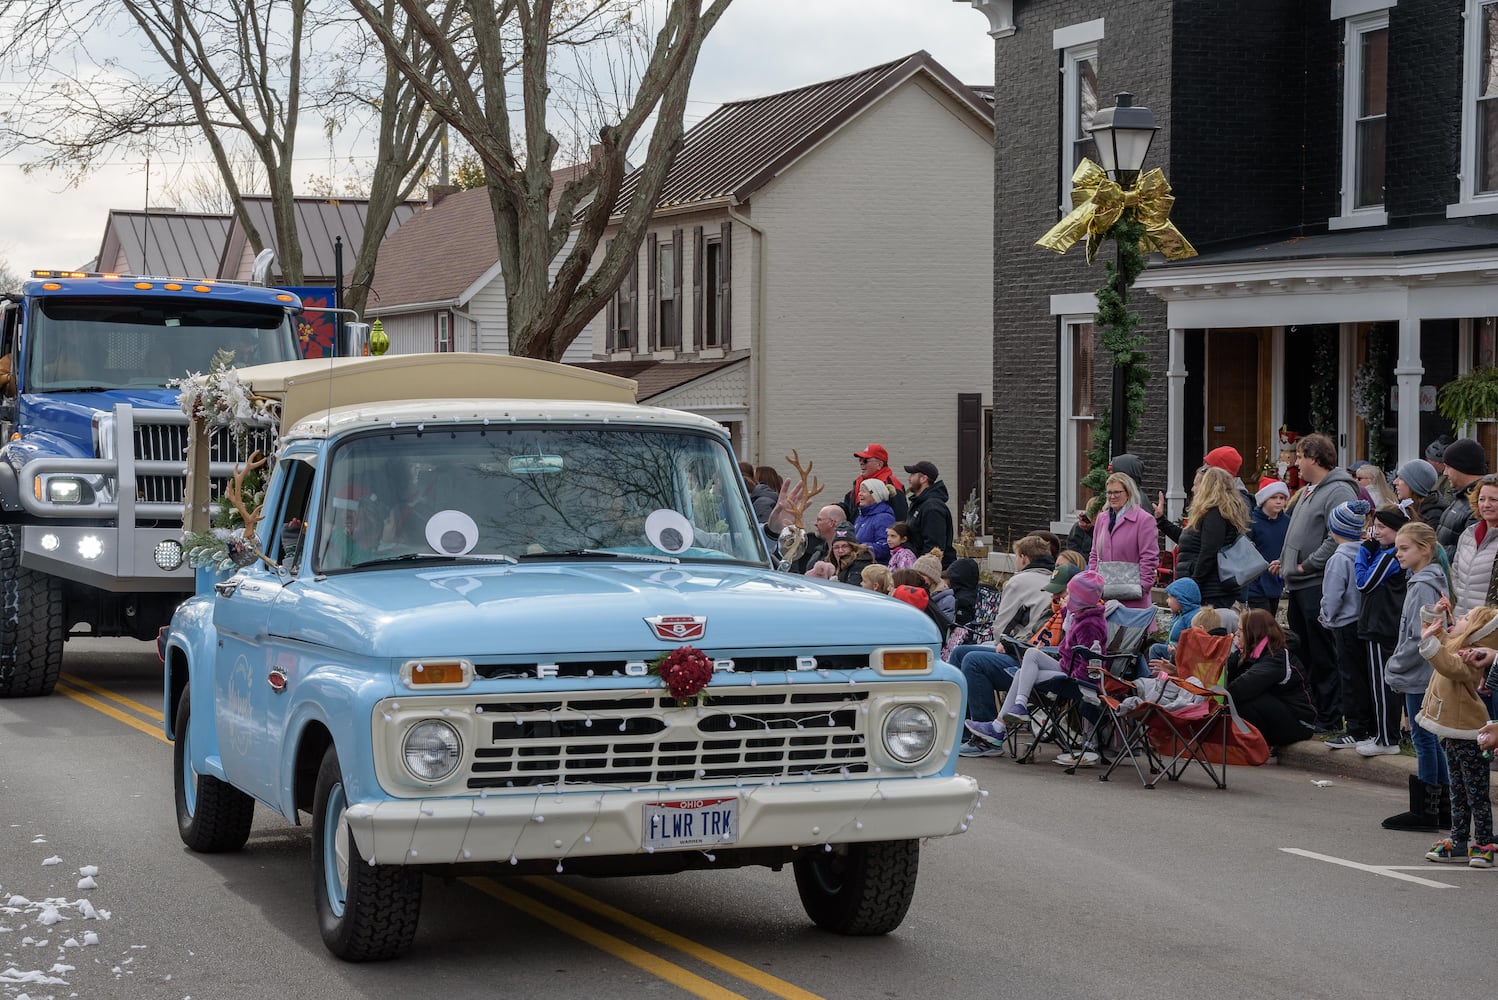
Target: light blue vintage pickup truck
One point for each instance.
(444, 647)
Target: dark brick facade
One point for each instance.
(1425, 108)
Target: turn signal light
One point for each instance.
(437, 673)
(903, 661)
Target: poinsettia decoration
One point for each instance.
(685, 671)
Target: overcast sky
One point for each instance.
(760, 47)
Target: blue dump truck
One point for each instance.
(91, 482)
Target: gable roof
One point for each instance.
(181, 244)
(655, 377)
(318, 222)
(742, 146)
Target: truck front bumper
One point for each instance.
(106, 558)
(548, 825)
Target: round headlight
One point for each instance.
(909, 733)
(432, 750)
(168, 554)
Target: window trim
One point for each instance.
(442, 320)
(1354, 29)
(1071, 127)
(1068, 483)
(1469, 202)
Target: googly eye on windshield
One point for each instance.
(668, 531)
(452, 532)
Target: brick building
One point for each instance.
(1330, 162)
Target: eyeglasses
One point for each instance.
(863, 460)
(1116, 493)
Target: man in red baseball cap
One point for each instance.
(873, 463)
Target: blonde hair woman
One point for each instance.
(1373, 481)
(1216, 518)
(1125, 532)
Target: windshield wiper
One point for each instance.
(85, 388)
(599, 554)
(434, 556)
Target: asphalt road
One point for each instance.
(1064, 887)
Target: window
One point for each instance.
(1479, 169)
(665, 294)
(1078, 347)
(442, 336)
(1079, 94)
(712, 301)
(1365, 85)
(290, 520)
(621, 311)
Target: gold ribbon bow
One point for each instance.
(1098, 203)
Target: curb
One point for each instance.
(1387, 769)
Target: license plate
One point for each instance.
(691, 823)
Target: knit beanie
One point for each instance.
(1347, 520)
(913, 596)
(1270, 488)
(1437, 448)
(1392, 517)
(1225, 458)
(876, 489)
(1419, 475)
(1466, 456)
(929, 566)
(1086, 588)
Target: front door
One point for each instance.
(1236, 408)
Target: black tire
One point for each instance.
(367, 913)
(859, 889)
(31, 625)
(212, 817)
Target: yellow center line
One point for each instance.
(704, 954)
(118, 699)
(112, 712)
(674, 974)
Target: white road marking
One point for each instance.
(1387, 871)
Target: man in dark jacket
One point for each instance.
(1466, 463)
(817, 539)
(930, 518)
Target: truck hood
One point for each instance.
(553, 609)
(69, 416)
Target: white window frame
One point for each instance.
(442, 335)
(1471, 203)
(1353, 217)
(1066, 374)
(1071, 123)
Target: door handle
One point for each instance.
(226, 588)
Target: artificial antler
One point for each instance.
(810, 487)
(234, 492)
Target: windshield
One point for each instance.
(141, 343)
(533, 493)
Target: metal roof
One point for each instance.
(739, 148)
(318, 222)
(181, 244)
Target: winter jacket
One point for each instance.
(1339, 587)
(1214, 533)
(873, 521)
(1456, 519)
(1307, 542)
(897, 499)
(1134, 538)
(930, 523)
(852, 573)
(1024, 601)
(1079, 539)
(946, 602)
(1381, 584)
(1472, 569)
(1269, 538)
(1452, 706)
(962, 578)
(900, 557)
(763, 500)
(1189, 596)
(1275, 673)
(1131, 466)
(1405, 670)
(1089, 627)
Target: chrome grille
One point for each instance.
(167, 442)
(643, 739)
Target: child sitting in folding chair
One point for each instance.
(1085, 630)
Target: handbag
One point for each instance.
(1240, 562)
(1120, 581)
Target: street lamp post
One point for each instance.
(1123, 135)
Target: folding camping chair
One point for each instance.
(979, 631)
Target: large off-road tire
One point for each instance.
(212, 817)
(859, 889)
(31, 626)
(366, 912)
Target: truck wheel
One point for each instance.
(859, 889)
(212, 816)
(31, 627)
(366, 912)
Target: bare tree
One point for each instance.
(513, 38)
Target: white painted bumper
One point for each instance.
(548, 825)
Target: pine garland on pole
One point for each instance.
(1118, 334)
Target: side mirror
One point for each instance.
(242, 555)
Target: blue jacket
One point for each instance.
(1269, 539)
(869, 529)
(1189, 596)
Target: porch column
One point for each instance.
(1407, 373)
(1175, 424)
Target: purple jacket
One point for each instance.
(1088, 627)
(869, 529)
(1135, 539)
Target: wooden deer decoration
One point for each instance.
(234, 494)
(793, 536)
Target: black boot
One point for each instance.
(1424, 811)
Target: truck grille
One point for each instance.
(640, 739)
(168, 443)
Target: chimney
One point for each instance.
(436, 192)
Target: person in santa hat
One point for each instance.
(1267, 527)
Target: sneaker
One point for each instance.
(1019, 715)
(1373, 748)
(1342, 742)
(989, 732)
(978, 749)
(1446, 852)
(1481, 855)
(1087, 758)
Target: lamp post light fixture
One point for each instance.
(1123, 135)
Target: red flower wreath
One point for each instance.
(685, 671)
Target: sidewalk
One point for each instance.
(1389, 769)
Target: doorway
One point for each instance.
(1236, 410)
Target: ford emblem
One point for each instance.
(677, 628)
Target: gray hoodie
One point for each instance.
(1340, 598)
(1307, 541)
(1406, 671)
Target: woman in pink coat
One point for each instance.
(1126, 532)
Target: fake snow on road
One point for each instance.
(45, 940)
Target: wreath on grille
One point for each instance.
(686, 672)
